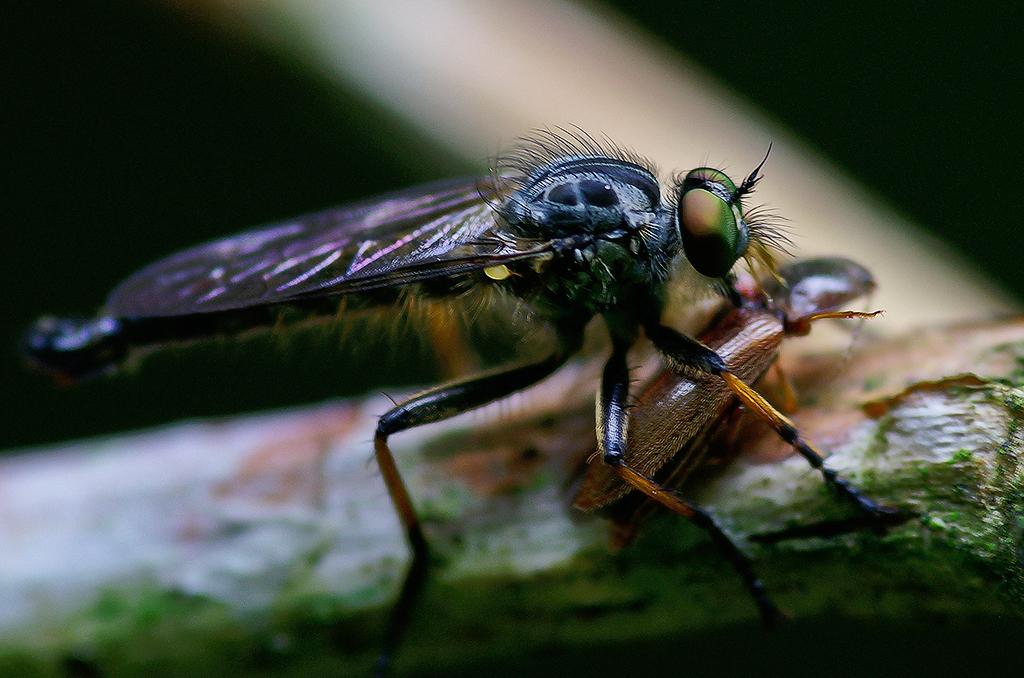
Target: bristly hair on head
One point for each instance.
(768, 235)
(546, 145)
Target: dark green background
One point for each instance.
(129, 132)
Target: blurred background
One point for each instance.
(132, 129)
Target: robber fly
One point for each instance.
(571, 226)
(675, 413)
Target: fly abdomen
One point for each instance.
(73, 348)
(76, 348)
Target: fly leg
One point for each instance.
(429, 406)
(612, 418)
(826, 529)
(449, 342)
(682, 351)
(787, 397)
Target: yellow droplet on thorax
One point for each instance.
(499, 272)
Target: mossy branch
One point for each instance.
(268, 541)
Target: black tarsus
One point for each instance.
(872, 510)
(682, 351)
(833, 528)
(412, 587)
(771, 615)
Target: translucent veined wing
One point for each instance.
(438, 230)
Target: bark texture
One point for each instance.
(266, 543)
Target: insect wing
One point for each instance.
(442, 229)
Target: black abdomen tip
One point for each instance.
(75, 348)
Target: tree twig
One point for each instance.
(270, 537)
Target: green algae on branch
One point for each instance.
(272, 545)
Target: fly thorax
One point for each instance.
(608, 217)
(580, 195)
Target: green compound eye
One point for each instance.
(713, 232)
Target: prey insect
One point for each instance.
(569, 226)
(676, 412)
